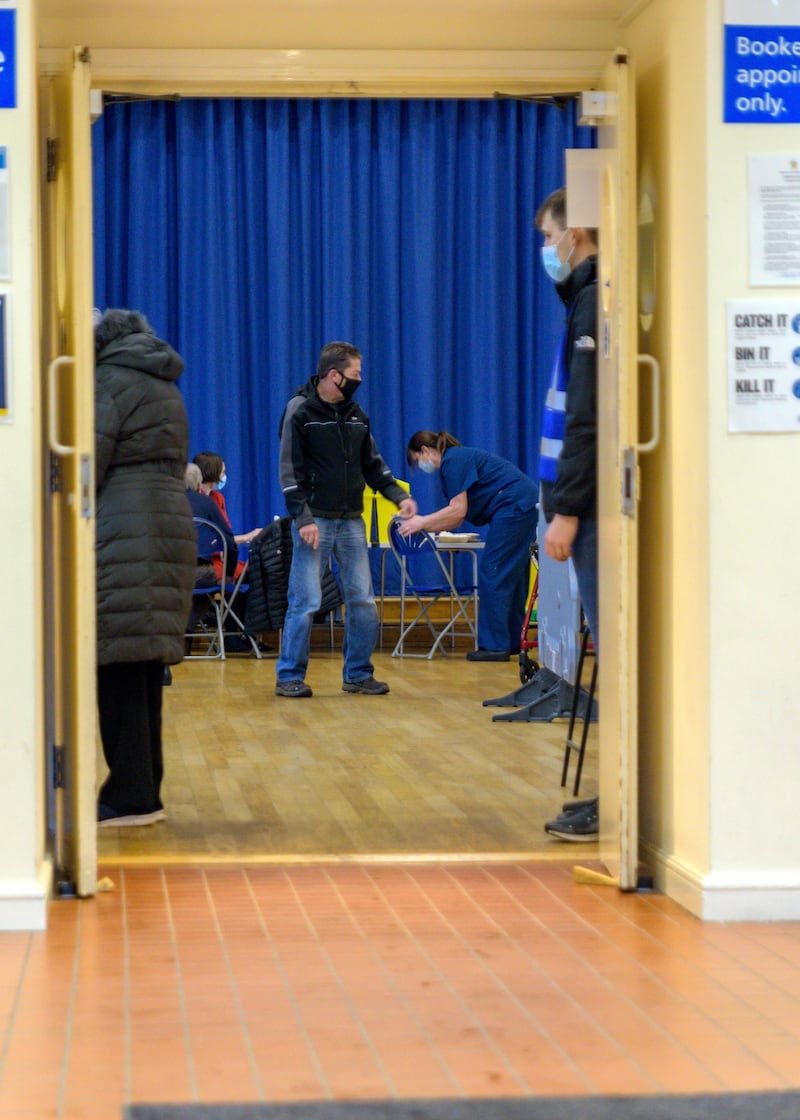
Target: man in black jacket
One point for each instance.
(568, 460)
(327, 455)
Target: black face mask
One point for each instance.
(349, 387)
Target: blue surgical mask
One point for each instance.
(426, 465)
(223, 478)
(555, 268)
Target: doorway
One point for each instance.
(103, 82)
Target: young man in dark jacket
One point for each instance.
(568, 459)
(327, 455)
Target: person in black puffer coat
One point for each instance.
(145, 555)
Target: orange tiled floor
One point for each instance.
(260, 983)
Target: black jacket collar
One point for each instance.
(585, 273)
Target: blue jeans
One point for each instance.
(584, 560)
(347, 540)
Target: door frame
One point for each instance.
(370, 73)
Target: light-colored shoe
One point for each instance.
(130, 820)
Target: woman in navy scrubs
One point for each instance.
(485, 490)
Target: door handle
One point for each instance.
(655, 381)
(56, 446)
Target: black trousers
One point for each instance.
(129, 702)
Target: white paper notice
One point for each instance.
(763, 365)
(5, 231)
(774, 220)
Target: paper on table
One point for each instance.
(457, 538)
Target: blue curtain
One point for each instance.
(251, 232)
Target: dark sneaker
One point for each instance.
(580, 827)
(237, 643)
(369, 686)
(488, 655)
(296, 690)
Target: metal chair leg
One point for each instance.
(570, 744)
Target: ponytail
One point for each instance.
(438, 441)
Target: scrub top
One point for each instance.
(492, 484)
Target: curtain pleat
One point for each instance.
(252, 232)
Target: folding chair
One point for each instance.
(232, 624)
(425, 576)
(207, 600)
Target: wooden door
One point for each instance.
(618, 479)
(68, 409)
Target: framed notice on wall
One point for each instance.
(774, 203)
(5, 218)
(763, 365)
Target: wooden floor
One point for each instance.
(472, 964)
(424, 770)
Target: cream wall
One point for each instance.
(325, 24)
(754, 542)
(719, 516)
(24, 871)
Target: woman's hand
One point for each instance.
(410, 526)
(246, 538)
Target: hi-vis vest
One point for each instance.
(555, 415)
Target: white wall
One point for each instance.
(24, 872)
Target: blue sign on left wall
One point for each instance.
(8, 58)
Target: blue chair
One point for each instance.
(232, 623)
(426, 578)
(207, 601)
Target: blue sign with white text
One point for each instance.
(8, 59)
(762, 74)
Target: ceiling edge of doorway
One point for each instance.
(307, 73)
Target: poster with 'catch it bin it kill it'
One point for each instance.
(763, 365)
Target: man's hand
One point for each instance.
(408, 508)
(310, 534)
(558, 539)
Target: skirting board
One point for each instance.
(727, 896)
(23, 905)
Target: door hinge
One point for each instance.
(58, 767)
(629, 469)
(52, 159)
(596, 107)
(85, 485)
(55, 474)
